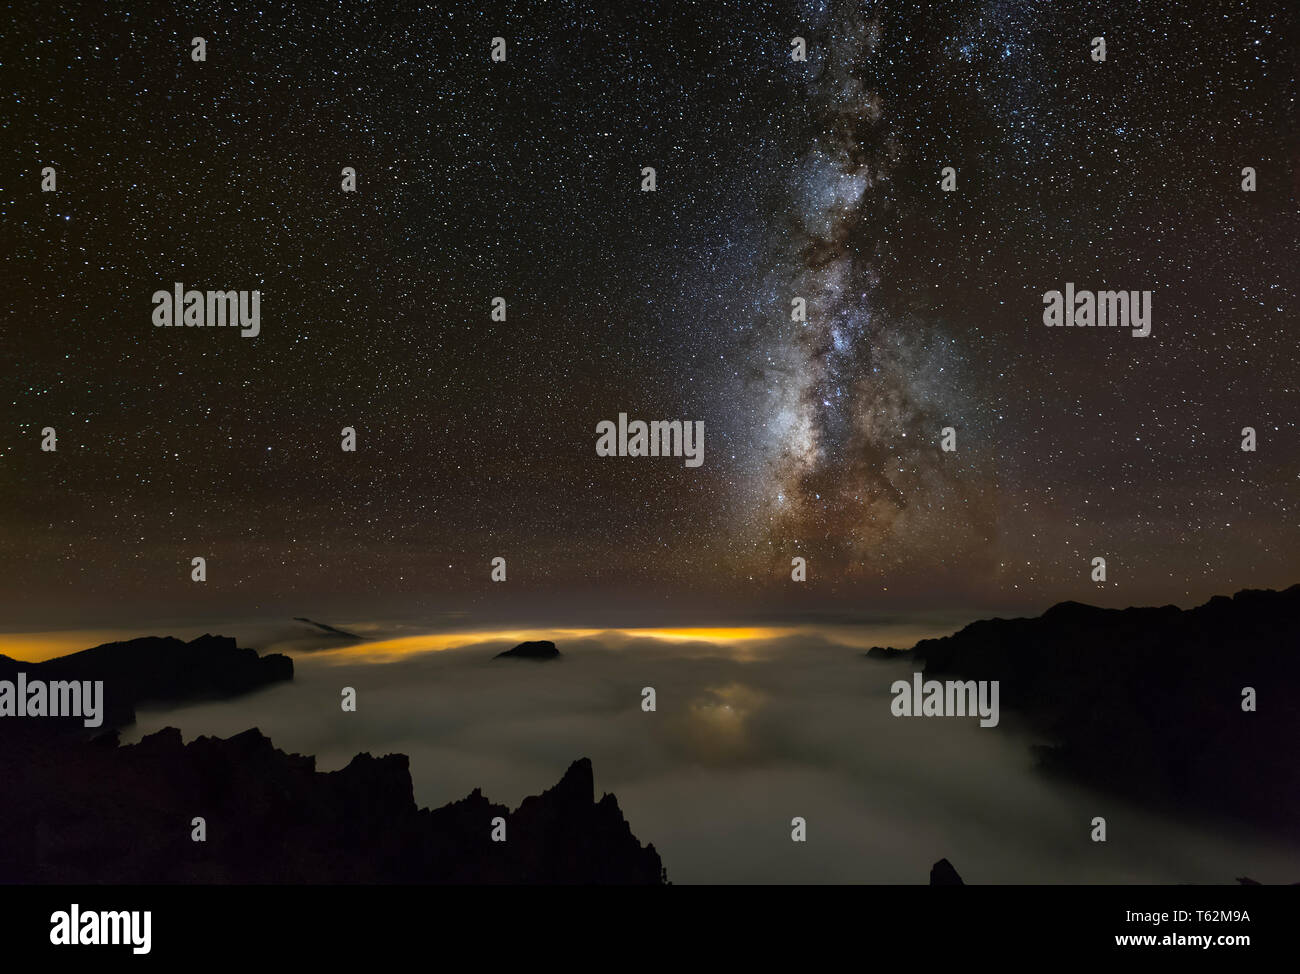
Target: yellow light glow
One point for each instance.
(740, 641)
(35, 647)
(386, 650)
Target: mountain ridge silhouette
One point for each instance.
(1147, 702)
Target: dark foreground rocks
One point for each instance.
(943, 873)
(76, 811)
(1148, 702)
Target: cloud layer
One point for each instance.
(746, 736)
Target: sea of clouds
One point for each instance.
(746, 736)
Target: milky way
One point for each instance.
(855, 396)
(777, 179)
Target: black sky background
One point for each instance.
(521, 179)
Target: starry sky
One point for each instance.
(775, 179)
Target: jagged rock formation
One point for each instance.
(74, 811)
(541, 649)
(943, 873)
(1147, 702)
(156, 669)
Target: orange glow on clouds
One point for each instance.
(386, 650)
(740, 642)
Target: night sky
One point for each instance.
(522, 179)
